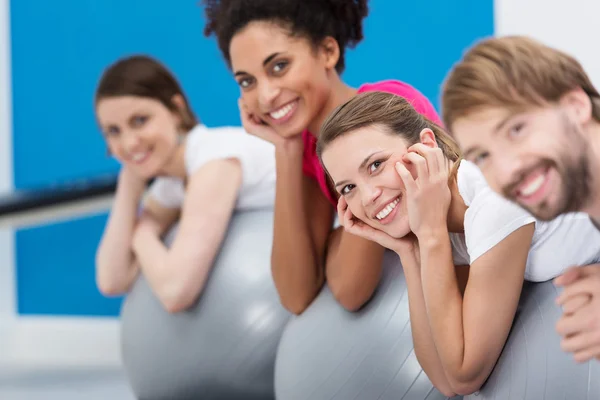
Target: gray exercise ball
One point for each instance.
(224, 347)
(328, 353)
(532, 365)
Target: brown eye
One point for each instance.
(374, 166)
(245, 82)
(346, 189)
(280, 66)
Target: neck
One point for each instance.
(176, 165)
(340, 94)
(457, 209)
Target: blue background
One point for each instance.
(59, 49)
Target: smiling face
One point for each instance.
(539, 158)
(140, 132)
(362, 165)
(285, 80)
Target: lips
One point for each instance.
(532, 183)
(140, 156)
(387, 209)
(283, 113)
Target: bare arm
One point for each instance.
(303, 219)
(177, 275)
(353, 268)
(116, 268)
(425, 349)
(467, 340)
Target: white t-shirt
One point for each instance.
(203, 144)
(569, 240)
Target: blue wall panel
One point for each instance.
(59, 50)
(417, 41)
(55, 273)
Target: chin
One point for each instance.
(398, 231)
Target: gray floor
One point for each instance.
(63, 384)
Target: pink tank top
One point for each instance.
(311, 166)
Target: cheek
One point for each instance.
(250, 99)
(391, 178)
(356, 207)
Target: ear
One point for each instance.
(330, 51)
(179, 102)
(427, 137)
(578, 105)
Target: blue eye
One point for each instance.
(346, 189)
(112, 131)
(516, 129)
(140, 120)
(479, 158)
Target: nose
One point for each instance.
(507, 168)
(370, 194)
(130, 141)
(267, 93)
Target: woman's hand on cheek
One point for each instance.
(257, 127)
(427, 196)
(357, 227)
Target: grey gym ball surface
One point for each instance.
(239, 343)
(326, 353)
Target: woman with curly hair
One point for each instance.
(288, 57)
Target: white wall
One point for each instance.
(569, 25)
(7, 291)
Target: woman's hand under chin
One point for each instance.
(428, 196)
(406, 246)
(257, 127)
(130, 180)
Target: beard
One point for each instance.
(574, 169)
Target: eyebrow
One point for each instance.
(501, 124)
(469, 152)
(496, 129)
(265, 62)
(362, 166)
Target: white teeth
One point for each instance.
(533, 186)
(387, 210)
(282, 112)
(139, 156)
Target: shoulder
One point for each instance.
(489, 217)
(205, 144)
(470, 181)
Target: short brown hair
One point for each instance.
(394, 113)
(514, 72)
(143, 76)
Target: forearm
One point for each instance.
(424, 344)
(296, 265)
(153, 258)
(444, 305)
(353, 268)
(114, 258)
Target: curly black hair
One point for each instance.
(315, 19)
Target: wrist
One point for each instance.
(132, 186)
(141, 234)
(290, 146)
(431, 238)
